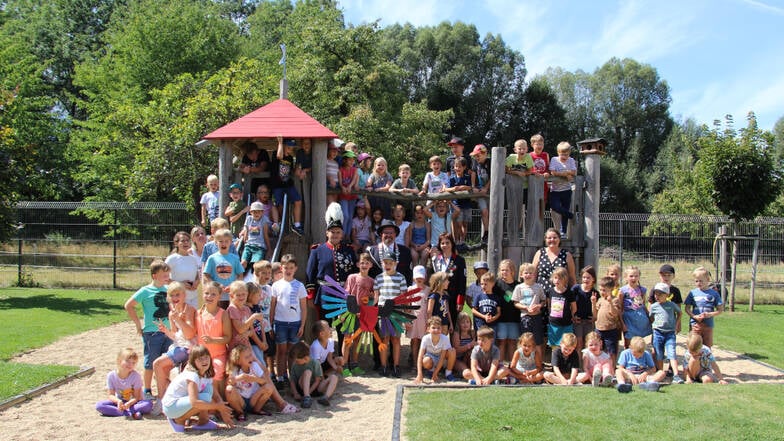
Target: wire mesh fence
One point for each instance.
(110, 245)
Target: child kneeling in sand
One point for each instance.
(250, 387)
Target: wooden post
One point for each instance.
(754, 269)
(534, 218)
(496, 222)
(224, 175)
(318, 198)
(723, 263)
(591, 207)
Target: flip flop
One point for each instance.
(262, 412)
(178, 428)
(209, 425)
(289, 409)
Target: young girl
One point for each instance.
(185, 267)
(509, 324)
(376, 219)
(614, 271)
(125, 389)
(380, 181)
(323, 349)
(597, 364)
(526, 365)
(416, 329)
(348, 179)
(258, 338)
(438, 301)
(192, 394)
(441, 214)
(213, 328)
(182, 319)
(398, 217)
(560, 303)
(583, 319)
(361, 233)
(332, 173)
(249, 387)
(241, 317)
(635, 314)
(529, 298)
(359, 285)
(418, 240)
(463, 340)
(263, 273)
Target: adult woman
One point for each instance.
(550, 257)
(198, 240)
(444, 258)
(185, 267)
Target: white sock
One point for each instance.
(448, 372)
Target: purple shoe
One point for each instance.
(178, 428)
(209, 425)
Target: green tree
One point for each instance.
(540, 112)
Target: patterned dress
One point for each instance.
(546, 267)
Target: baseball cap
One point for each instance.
(420, 272)
(290, 142)
(667, 268)
(481, 264)
(363, 156)
(480, 148)
(349, 154)
(455, 141)
(235, 187)
(389, 255)
(662, 287)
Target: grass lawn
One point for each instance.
(684, 412)
(749, 333)
(36, 317)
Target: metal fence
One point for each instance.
(110, 245)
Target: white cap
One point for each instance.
(257, 206)
(420, 272)
(662, 287)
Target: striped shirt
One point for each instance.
(389, 286)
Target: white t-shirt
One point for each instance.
(248, 388)
(401, 238)
(288, 295)
(435, 349)
(179, 386)
(320, 353)
(185, 268)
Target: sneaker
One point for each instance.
(512, 380)
(396, 371)
(450, 377)
(149, 396)
(427, 373)
(484, 239)
(384, 372)
(324, 401)
(676, 379)
(596, 378)
(137, 415)
(307, 402)
(650, 386)
(499, 382)
(607, 381)
(157, 408)
(472, 382)
(357, 371)
(298, 230)
(346, 372)
(624, 388)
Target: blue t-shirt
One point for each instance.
(455, 181)
(485, 304)
(663, 315)
(703, 301)
(224, 269)
(154, 306)
(633, 364)
(211, 248)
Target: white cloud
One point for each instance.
(416, 12)
(765, 7)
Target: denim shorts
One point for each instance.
(507, 331)
(286, 332)
(155, 344)
(178, 354)
(664, 345)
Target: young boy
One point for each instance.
(475, 289)
(541, 161)
(565, 361)
(636, 366)
(665, 316)
(386, 287)
(518, 166)
(435, 181)
(210, 208)
(223, 267)
(699, 365)
(236, 210)
(256, 235)
(211, 247)
(486, 367)
(404, 185)
(607, 310)
(156, 310)
(323, 349)
(262, 271)
(564, 169)
(458, 151)
(307, 378)
(288, 311)
(702, 304)
(434, 351)
(284, 168)
(460, 181)
(486, 307)
(666, 275)
(481, 168)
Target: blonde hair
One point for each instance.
(694, 342)
(404, 167)
(561, 273)
(219, 224)
(527, 266)
(437, 279)
(434, 321)
(569, 340)
(521, 143)
(637, 344)
(464, 317)
(701, 273)
(592, 336)
(237, 286)
(562, 146)
(262, 264)
(234, 357)
(488, 277)
(507, 263)
(434, 158)
(526, 337)
(212, 178)
(537, 138)
(631, 269)
(223, 233)
(174, 287)
(127, 354)
(614, 267)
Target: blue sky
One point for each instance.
(718, 57)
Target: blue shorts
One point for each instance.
(286, 332)
(481, 203)
(555, 332)
(178, 354)
(291, 191)
(155, 344)
(464, 215)
(253, 253)
(435, 357)
(610, 340)
(508, 331)
(534, 325)
(664, 345)
(180, 406)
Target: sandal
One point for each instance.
(289, 409)
(307, 402)
(241, 417)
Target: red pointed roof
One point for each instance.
(280, 117)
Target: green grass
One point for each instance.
(36, 317)
(687, 412)
(749, 333)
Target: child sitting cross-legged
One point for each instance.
(307, 379)
(636, 366)
(699, 365)
(434, 352)
(526, 365)
(597, 364)
(565, 362)
(486, 367)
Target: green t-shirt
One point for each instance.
(235, 208)
(526, 164)
(154, 306)
(297, 370)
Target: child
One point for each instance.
(699, 365)
(486, 367)
(284, 168)
(258, 338)
(486, 307)
(583, 294)
(541, 161)
(236, 210)
(529, 298)
(277, 271)
(438, 301)
(386, 287)
(607, 310)
(399, 218)
(270, 215)
(481, 168)
(182, 318)
(376, 219)
(307, 378)
(224, 266)
(435, 181)
(348, 185)
(702, 304)
(597, 364)
(192, 394)
(213, 329)
(614, 271)
(509, 324)
(474, 289)
(304, 159)
(288, 310)
(434, 352)
(518, 166)
(404, 185)
(463, 340)
(365, 169)
(211, 247)
(152, 298)
(359, 285)
(666, 275)
(361, 234)
(526, 366)
(249, 387)
(380, 181)
(635, 314)
(323, 349)
(210, 208)
(185, 267)
(564, 168)
(562, 307)
(457, 145)
(565, 362)
(263, 273)
(125, 389)
(332, 173)
(636, 366)
(417, 328)
(441, 215)
(664, 316)
(239, 314)
(256, 235)
(418, 240)
(461, 181)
